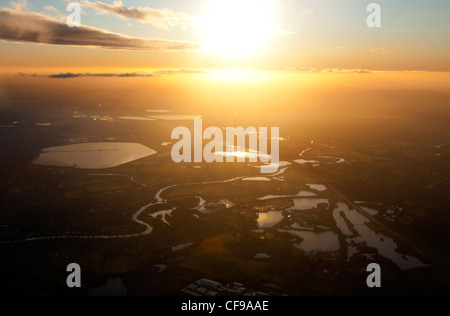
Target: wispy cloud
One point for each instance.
(53, 12)
(26, 27)
(327, 70)
(20, 5)
(156, 73)
(169, 72)
(381, 51)
(69, 75)
(337, 70)
(160, 18)
(50, 9)
(101, 75)
(180, 71)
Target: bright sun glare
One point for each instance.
(238, 28)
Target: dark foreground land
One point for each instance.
(396, 162)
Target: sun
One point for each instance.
(238, 28)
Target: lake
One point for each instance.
(269, 219)
(385, 245)
(93, 155)
(315, 242)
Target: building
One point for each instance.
(210, 284)
(206, 287)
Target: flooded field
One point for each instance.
(315, 242)
(190, 220)
(93, 155)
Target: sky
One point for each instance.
(218, 34)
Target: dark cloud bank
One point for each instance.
(25, 27)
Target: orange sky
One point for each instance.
(309, 34)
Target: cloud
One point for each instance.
(20, 5)
(381, 51)
(330, 70)
(22, 74)
(156, 73)
(25, 27)
(53, 12)
(180, 71)
(50, 8)
(160, 18)
(101, 75)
